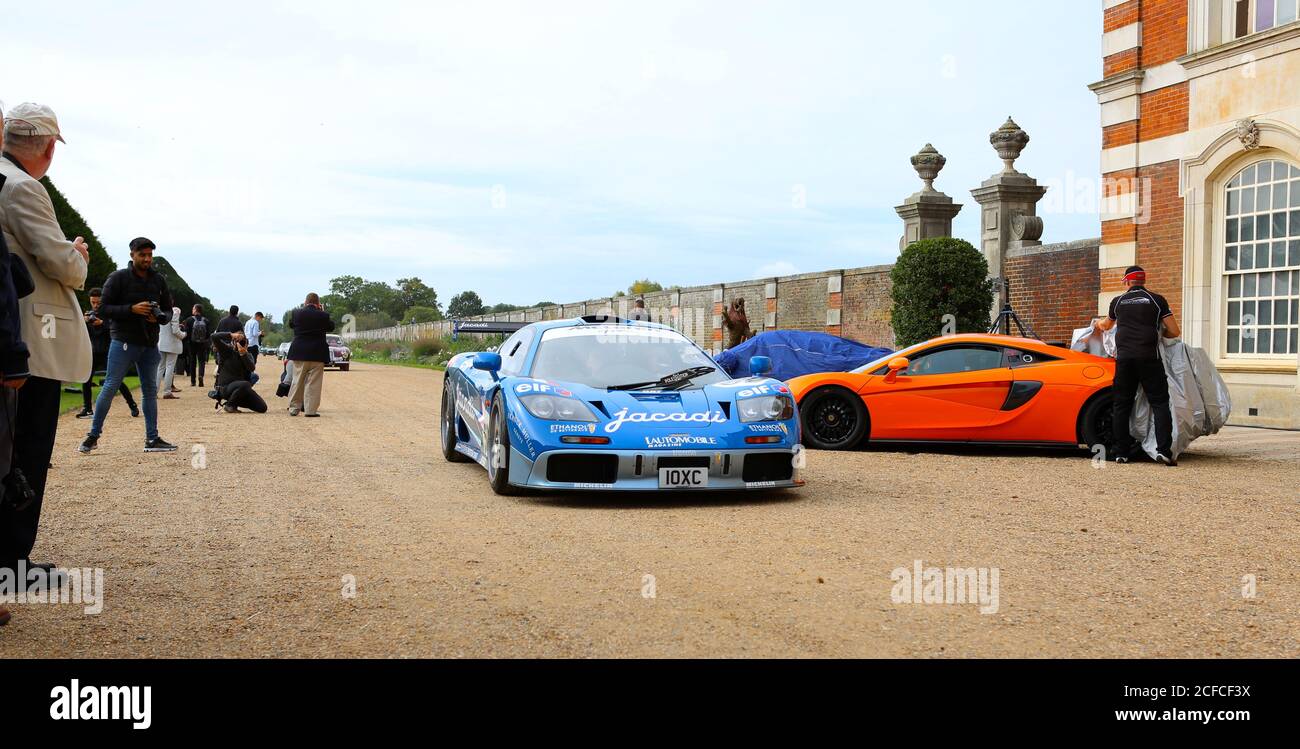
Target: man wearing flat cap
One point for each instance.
(51, 321)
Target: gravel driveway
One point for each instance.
(246, 541)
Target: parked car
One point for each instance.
(609, 404)
(962, 388)
(340, 354)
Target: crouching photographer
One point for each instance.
(235, 375)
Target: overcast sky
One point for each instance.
(543, 150)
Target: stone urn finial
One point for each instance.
(928, 162)
(1009, 140)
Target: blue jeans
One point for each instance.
(121, 356)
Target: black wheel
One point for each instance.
(498, 450)
(1096, 424)
(344, 367)
(833, 418)
(448, 427)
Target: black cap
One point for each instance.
(1134, 269)
(140, 243)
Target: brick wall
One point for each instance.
(1163, 112)
(1164, 31)
(866, 306)
(1054, 287)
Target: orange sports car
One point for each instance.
(962, 388)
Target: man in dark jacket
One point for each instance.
(136, 300)
(235, 372)
(198, 339)
(97, 328)
(308, 354)
(230, 323)
(13, 374)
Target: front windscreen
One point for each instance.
(620, 356)
(882, 361)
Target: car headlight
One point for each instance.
(552, 408)
(766, 408)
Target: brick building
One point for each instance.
(1200, 116)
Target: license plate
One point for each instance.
(683, 478)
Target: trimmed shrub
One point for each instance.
(938, 277)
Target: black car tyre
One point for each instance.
(448, 427)
(833, 418)
(1096, 423)
(498, 450)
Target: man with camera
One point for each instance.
(15, 282)
(58, 347)
(235, 373)
(136, 301)
(97, 328)
(308, 355)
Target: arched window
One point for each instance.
(1262, 261)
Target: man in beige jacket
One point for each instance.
(51, 317)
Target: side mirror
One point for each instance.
(488, 362)
(896, 365)
(760, 365)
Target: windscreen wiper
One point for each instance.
(667, 381)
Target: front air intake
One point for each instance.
(577, 468)
(777, 466)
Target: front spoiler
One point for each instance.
(627, 478)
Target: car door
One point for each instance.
(1047, 395)
(476, 403)
(949, 392)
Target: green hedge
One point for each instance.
(938, 277)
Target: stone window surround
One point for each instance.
(1204, 179)
(1210, 24)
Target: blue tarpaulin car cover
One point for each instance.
(798, 352)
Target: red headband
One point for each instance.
(1138, 275)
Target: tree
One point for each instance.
(465, 304)
(73, 226)
(644, 286)
(377, 297)
(503, 307)
(182, 295)
(934, 278)
(346, 287)
(421, 314)
(416, 293)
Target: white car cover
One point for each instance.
(1198, 397)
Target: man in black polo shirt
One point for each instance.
(1141, 315)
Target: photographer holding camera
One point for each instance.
(136, 300)
(235, 373)
(97, 328)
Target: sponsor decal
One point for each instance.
(592, 486)
(701, 417)
(770, 428)
(679, 440)
(588, 428)
(760, 484)
(743, 382)
(762, 390)
(541, 387)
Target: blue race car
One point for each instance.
(611, 404)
